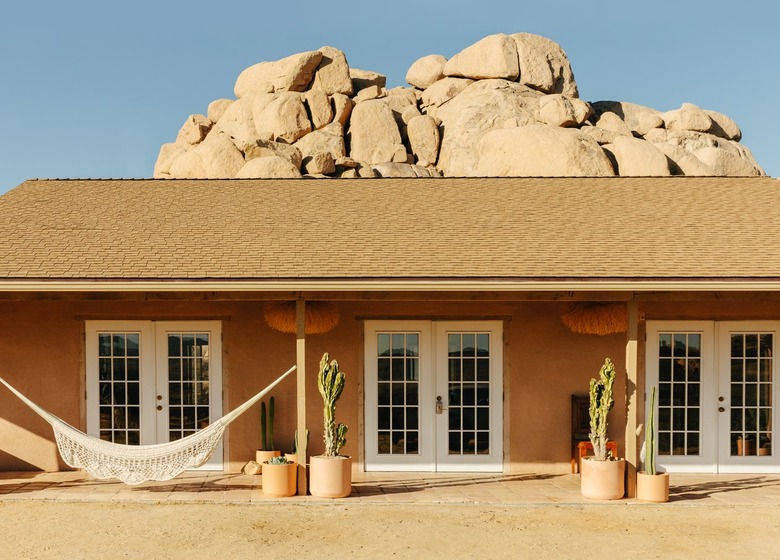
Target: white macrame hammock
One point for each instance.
(135, 464)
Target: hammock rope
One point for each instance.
(135, 464)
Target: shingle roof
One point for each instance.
(470, 228)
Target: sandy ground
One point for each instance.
(170, 531)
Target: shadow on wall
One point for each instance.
(14, 463)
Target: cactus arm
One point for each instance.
(262, 427)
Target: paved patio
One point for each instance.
(377, 488)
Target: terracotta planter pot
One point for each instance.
(602, 480)
(280, 481)
(291, 457)
(330, 477)
(652, 487)
(263, 456)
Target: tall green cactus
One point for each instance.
(330, 382)
(650, 436)
(601, 402)
(267, 428)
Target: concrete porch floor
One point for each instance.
(378, 488)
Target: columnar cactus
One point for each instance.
(601, 403)
(267, 428)
(650, 436)
(330, 382)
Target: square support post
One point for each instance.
(633, 412)
(300, 358)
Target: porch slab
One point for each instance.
(377, 488)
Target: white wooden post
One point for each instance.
(300, 358)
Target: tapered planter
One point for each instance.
(330, 477)
(602, 480)
(652, 487)
(280, 481)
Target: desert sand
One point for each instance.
(44, 530)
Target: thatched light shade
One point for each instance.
(596, 317)
(320, 316)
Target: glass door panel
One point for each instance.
(679, 393)
(751, 366)
(398, 393)
(119, 387)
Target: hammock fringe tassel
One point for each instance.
(136, 464)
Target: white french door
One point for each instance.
(433, 396)
(716, 394)
(153, 381)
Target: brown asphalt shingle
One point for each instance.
(490, 228)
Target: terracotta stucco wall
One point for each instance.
(42, 354)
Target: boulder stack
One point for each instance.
(508, 105)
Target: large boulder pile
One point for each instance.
(508, 105)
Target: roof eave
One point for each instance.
(395, 285)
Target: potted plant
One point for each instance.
(279, 477)
(602, 476)
(331, 473)
(266, 450)
(651, 486)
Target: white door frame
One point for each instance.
(714, 451)
(433, 365)
(728, 463)
(153, 375)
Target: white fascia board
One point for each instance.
(364, 285)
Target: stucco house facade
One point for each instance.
(134, 310)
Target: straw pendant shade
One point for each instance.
(320, 317)
(596, 317)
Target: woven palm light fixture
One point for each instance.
(320, 317)
(596, 317)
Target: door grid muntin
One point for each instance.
(119, 387)
(679, 393)
(398, 393)
(468, 388)
(188, 383)
(751, 385)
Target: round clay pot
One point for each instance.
(330, 477)
(280, 481)
(652, 487)
(602, 480)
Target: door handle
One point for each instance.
(439, 405)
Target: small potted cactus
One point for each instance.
(602, 476)
(651, 486)
(279, 477)
(266, 450)
(331, 473)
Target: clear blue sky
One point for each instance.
(92, 89)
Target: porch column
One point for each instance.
(300, 359)
(632, 401)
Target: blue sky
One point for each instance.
(92, 89)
